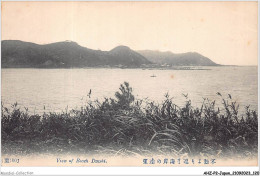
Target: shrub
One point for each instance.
(135, 127)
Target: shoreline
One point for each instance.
(143, 68)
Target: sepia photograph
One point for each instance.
(163, 84)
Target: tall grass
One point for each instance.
(124, 125)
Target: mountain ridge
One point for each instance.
(180, 59)
(19, 54)
(69, 54)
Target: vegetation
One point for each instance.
(124, 126)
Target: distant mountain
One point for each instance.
(184, 59)
(128, 55)
(19, 54)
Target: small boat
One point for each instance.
(153, 76)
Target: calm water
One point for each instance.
(58, 89)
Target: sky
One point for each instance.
(225, 32)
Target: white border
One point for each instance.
(124, 170)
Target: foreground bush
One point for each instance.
(127, 126)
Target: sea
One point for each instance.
(60, 90)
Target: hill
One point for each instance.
(68, 54)
(19, 54)
(183, 59)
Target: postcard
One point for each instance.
(140, 84)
